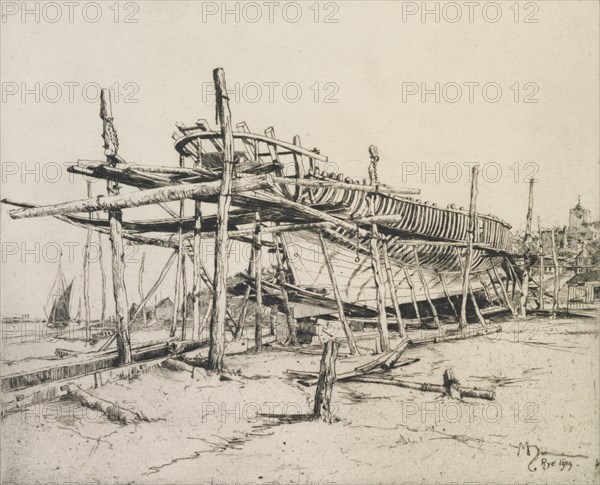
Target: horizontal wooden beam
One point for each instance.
(142, 198)
(320, 183)
(202, 134)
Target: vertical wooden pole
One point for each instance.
(184, 300)
(86, 272)
(470, 238)
(242, 319)
(413, 295)
(327, 377)
(503, 290)
(436, 319)
(392, 288)
(338, 298)
(219, 314)
(556, 275)
(180, 262)
(488, 297)
(447, 293)
(141, 288)
(541, 282)
(493, 285)
(258, 281)
(197, 320)
(116, 234)
(273, 319)
(291, 321)
(382, 324)
(526, 255)
(103, 279)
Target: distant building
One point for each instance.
(581, 228)
(585, 287)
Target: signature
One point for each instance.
(546, 460)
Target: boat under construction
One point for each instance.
(357, 252)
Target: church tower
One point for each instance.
(579, 216)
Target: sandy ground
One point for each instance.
(257, 429)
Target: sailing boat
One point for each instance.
(59, 300)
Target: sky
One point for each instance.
(510, 86)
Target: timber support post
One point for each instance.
(111, 146)
(503, 290)
(556, 274)
(413, 295)
(526, 255)
(392, 288)
(257, 254)
(86, 273)
(141, 288)
(289, 312)
(197, 320)
(469, 256)
(338, 298)
(542, 269)
(434, 313)
(219, 312)
(382, 324)
(327, 377)
(447, 293)
(242, 319)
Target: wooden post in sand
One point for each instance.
(413, 295)
(219, 313)
(257, 253)
(141, 288)
(469, 256)
(434, 313)
(392, 288)
(289, 311)
(503, 290)
(338, 298)
(103, 280)
(447, 293)
(86, 272)
(542, 269)
(382, 324)
(526, 255)
(111, 146)
(327, 376)
(197, 320)
(180, 262)
(556, 275)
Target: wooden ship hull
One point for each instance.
(284, 182)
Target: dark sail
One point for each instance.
(60, 307)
